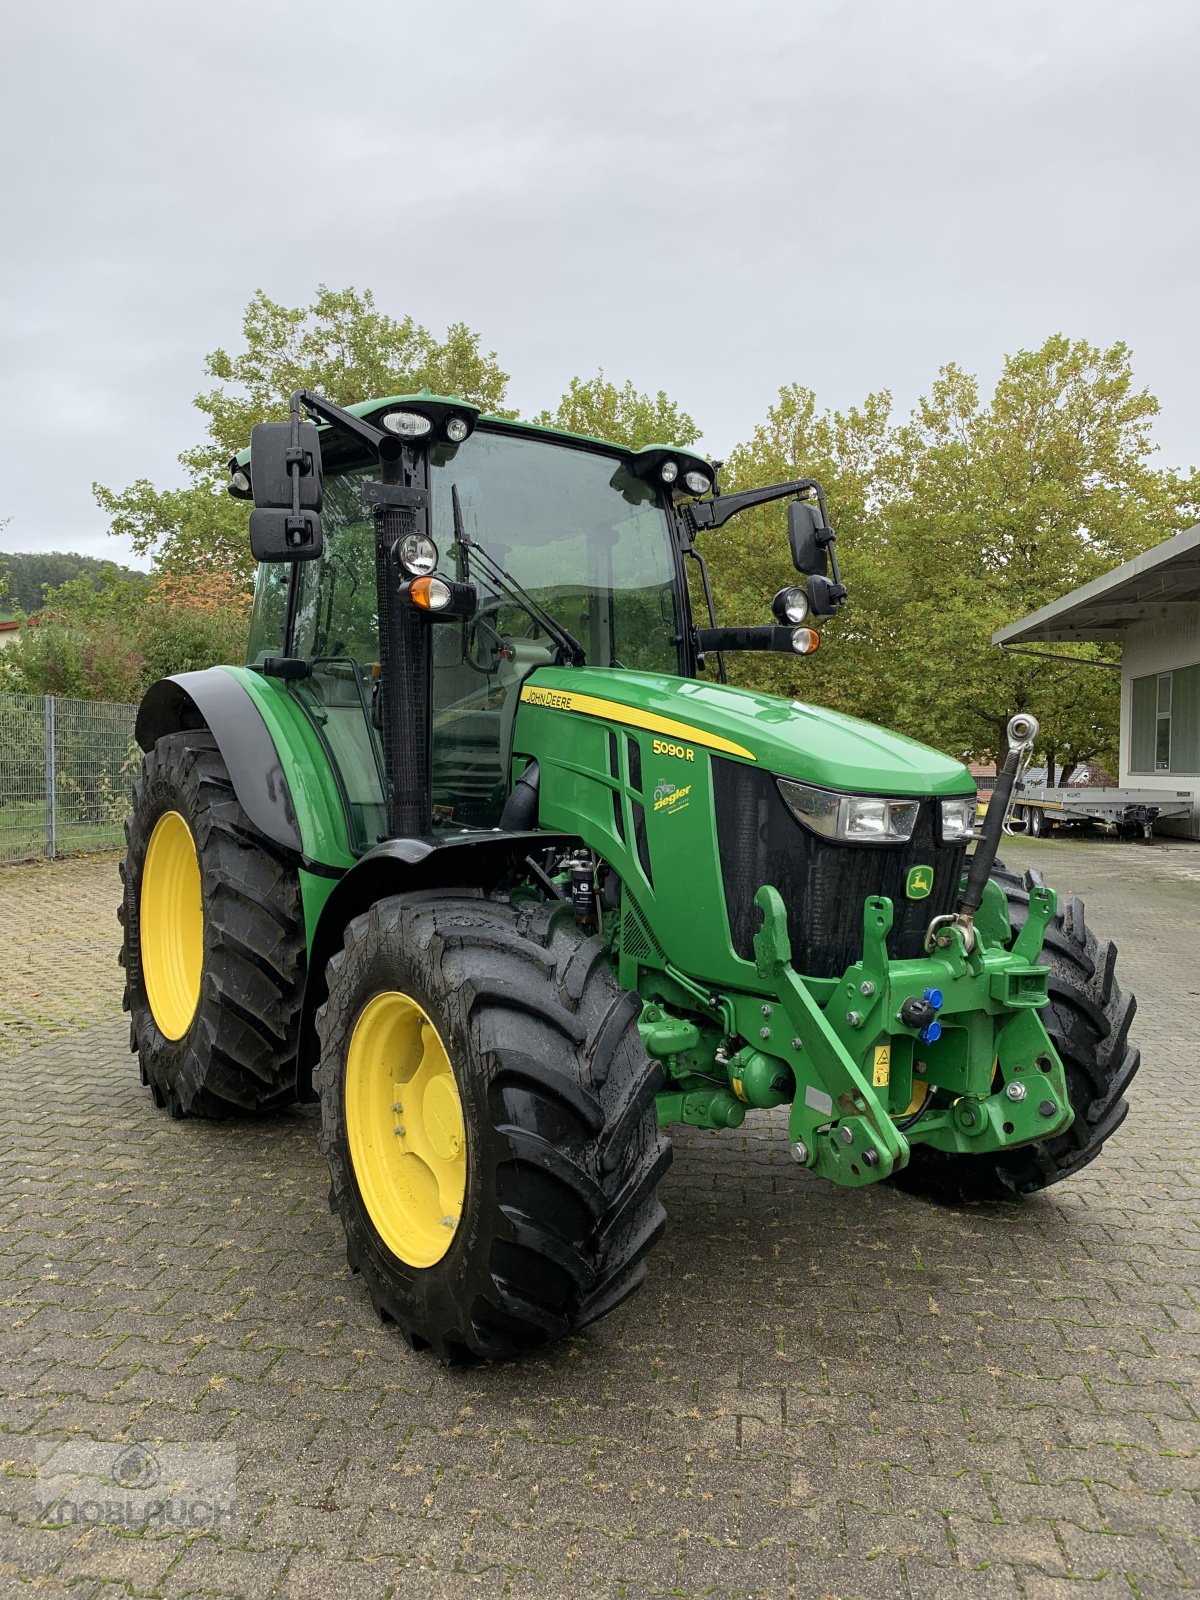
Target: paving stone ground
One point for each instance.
(819, 1392)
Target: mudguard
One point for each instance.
(466, 861)
(215, 699)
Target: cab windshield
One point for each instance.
(588, 541)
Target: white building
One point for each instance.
(1152, 606)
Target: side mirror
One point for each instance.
(287, 483)
(824, 597)
(804, 526)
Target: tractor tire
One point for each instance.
(1088, 1022)
(213, 945)
(488, 1115)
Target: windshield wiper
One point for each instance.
(569, 646)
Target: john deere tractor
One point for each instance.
(471, 852)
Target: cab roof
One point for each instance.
(368, 409)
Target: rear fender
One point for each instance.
(278, 766)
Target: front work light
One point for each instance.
(790, 605)
(697, 482)
(457, 430)
(408, 424)
(850, 818)
(958, 818)
(669, 471)
(417, 555)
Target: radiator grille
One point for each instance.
(823, 884)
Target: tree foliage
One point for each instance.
(597, 408)
(27, 574)
(341, 345)
(952, 523)
(111, 641)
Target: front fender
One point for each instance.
(468, 861)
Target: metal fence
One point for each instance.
(66, 767)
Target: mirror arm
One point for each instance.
(387, 446)
(715, 513)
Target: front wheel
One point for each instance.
(488, 1115)
(1088, 1022)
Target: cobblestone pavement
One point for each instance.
(819, 1392)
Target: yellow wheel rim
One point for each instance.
(171, 924)
(404, 1125)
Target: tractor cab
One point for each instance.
(570, 546)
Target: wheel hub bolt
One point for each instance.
(1015, 1091)
(800, 1152)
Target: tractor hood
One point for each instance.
(785, 736)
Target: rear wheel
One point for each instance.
(213, 947)
(488, 1114)
(1088, 1022)
(1035, 824)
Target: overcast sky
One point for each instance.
(711, 199)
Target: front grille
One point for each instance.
(823, 884)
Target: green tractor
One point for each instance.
(470, 853)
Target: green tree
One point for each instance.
(29, 573)
(597, 408)
(341, 345)
(961, 519)
(112, 641)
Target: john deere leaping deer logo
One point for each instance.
(670, 797)
(920, 883)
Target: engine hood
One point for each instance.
(786, 736)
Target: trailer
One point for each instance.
(1037, 807)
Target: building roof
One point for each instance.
(1152, 587)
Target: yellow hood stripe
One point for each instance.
(591, 705)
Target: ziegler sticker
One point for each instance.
(670, 797)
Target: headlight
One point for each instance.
(417, 555)
(851, 818)
(958, 818)
(697, 482)
(790, 605)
